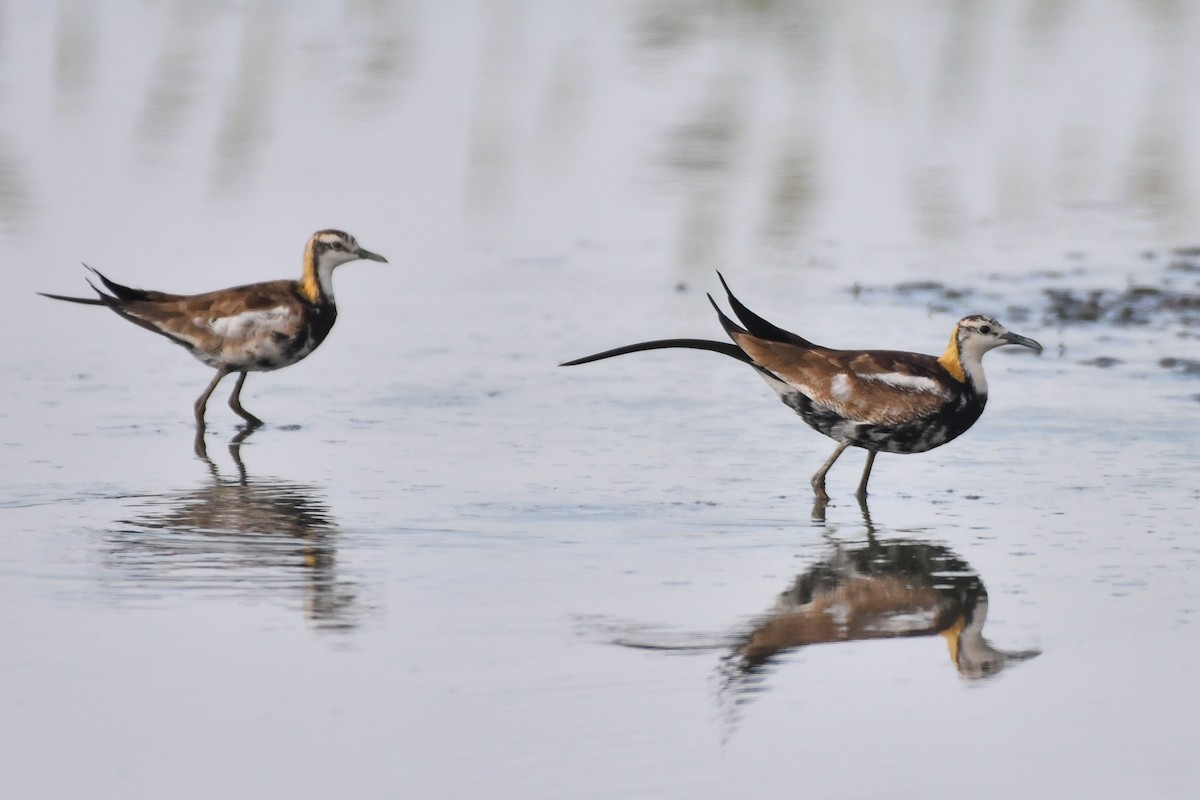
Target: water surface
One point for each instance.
(447, 568)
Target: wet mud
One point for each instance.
(1160, 295)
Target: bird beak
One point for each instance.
(367, 254)
(1024, 341)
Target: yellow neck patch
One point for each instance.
(310, 285)
(952, 636)
(950, 361)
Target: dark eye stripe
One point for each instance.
(336, 244)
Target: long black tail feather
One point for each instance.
(101, 299)
(729, 325)
(725, 348)
(127, 293)
(120, 293)
(756, 325)
(87, 301)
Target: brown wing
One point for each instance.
(215, 320)
(875, 387)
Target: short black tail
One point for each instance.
(725, 348)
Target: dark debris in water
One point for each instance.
(1169, 298)
(935, 288)
(1135, 305)
(1018, 313)
(935, 295)
(1184, 366)
(1104, 362)
(928, 290)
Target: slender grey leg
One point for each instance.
(201, 450)
(818, 509)
(862, 485)
(235, 402)
(866, 515)
(235, 450)
(202, 401)
(818, 480)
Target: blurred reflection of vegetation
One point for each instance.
(239, 536)
(246, 118)
(178, 79)
(854, 95)
(493, 138)
(941, 115)
(75, 50)
(16, 202)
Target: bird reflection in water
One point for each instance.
(877, 589)
(880, 588)
(237, 536)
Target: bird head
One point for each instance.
(973, 336)
(977, 334)
(325, 251)
(331, 248)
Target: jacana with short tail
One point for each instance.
(255, 328)
(883, 401)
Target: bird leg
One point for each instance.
(200, 448)
(235, 402)
(862, 485)
(818, 480)
(866, 515)
(235, 452)
(202, 401)
(818, 510)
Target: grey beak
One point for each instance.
(367, 254)
(1024, 341)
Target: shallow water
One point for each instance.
(447, 568)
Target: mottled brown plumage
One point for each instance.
(233, 327)
(254, 328)
(879, 400)
(857, 385)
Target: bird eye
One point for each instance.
(337, 246)
(985, 328)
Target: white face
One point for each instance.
(337, 249)
(330, 249)
(977, 334)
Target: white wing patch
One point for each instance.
(248, 324)
(840, 387)
(909, 383)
